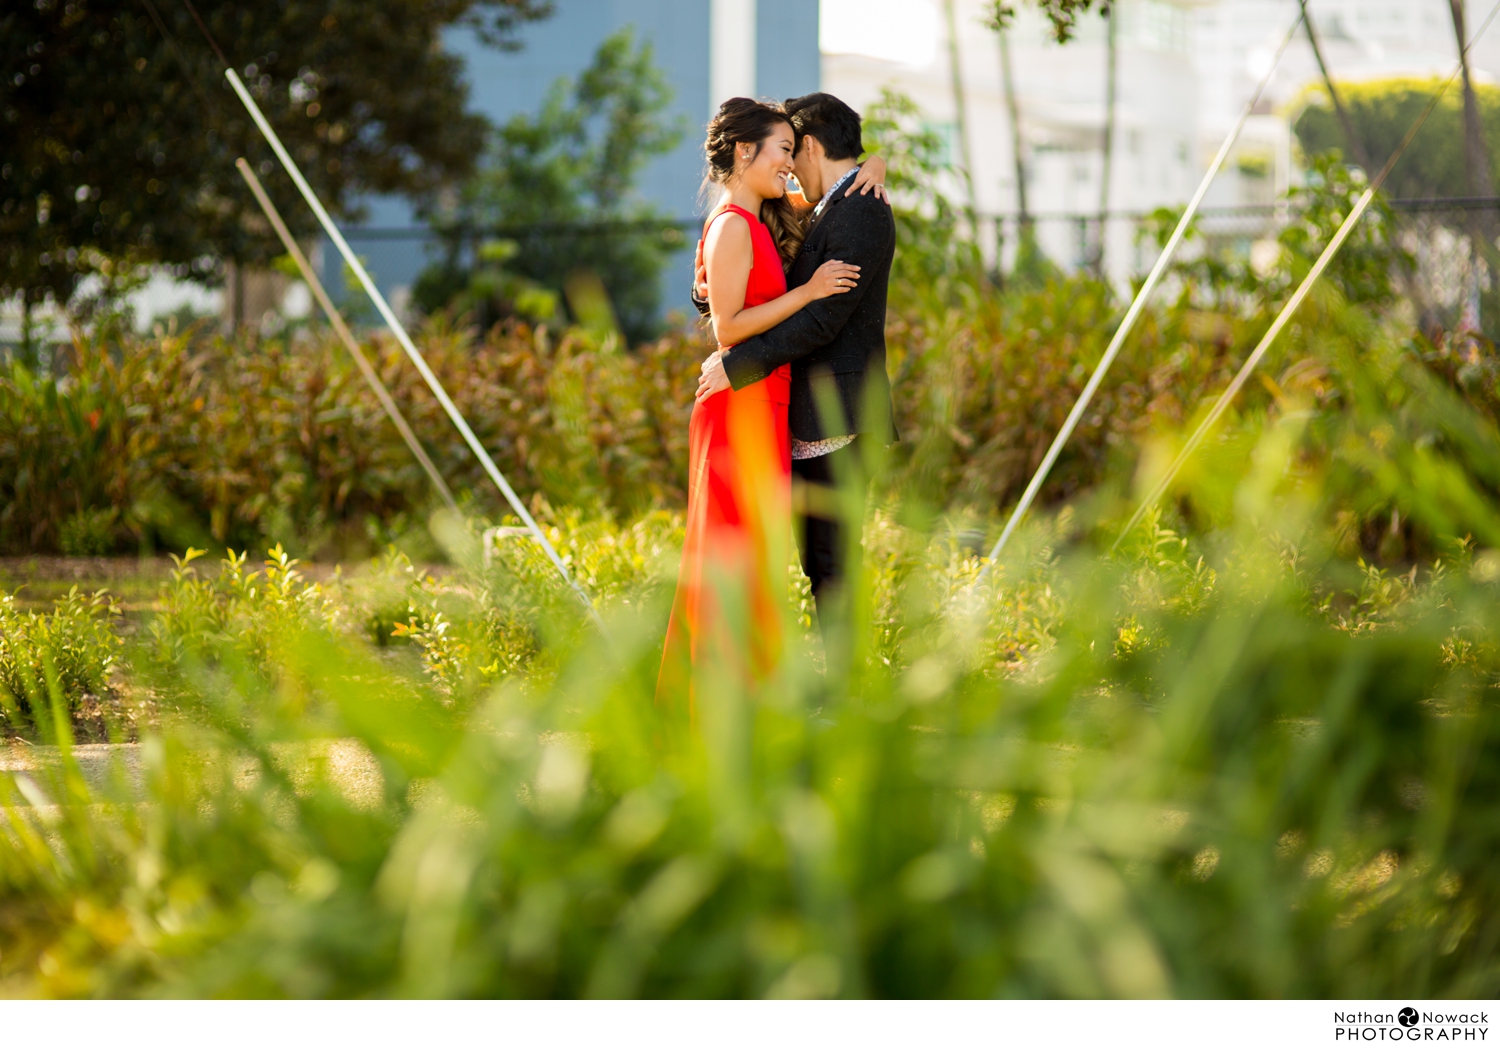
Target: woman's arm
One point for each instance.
(859, 229)
(728, 253)
(871, 178)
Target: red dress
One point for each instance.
(727, 616)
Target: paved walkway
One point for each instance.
(348, 765)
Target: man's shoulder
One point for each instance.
(849, 195)
(860, 212)
(852, 203)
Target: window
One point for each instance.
(1155, 25)
(947, 134)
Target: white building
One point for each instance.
(1186, 70)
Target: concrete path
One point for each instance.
(347, 764)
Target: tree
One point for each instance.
(1029, 261)
(1381, 111)
(1352, 141)
(1063, 14)
(1484, 223)
(935, 262)
(1017, 146)
(1111, 93)
(560, 185)
(1435, 166)
(119, 141)
(961, 113)
(1476, 158)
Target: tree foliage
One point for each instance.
(1382, 111)
(1063, 14)
(559, 184)
(119, 142)
(932, 255)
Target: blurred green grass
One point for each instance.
(1218, 766)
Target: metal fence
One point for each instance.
(1452, 283)
(1453, 245)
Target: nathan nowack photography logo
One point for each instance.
(1410, 1025)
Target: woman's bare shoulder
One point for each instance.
(729, 226)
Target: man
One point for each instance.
(836, 346)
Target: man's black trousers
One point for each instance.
(823, 536)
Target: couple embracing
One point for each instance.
(795, 285)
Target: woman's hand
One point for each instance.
(712, 378)
(871, 178)
(832, 278)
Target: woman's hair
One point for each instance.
(746, 120)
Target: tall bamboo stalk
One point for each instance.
(1476, 157)
(404, 338)
(1356, 144)
(1013, 107)
(1111, 92)
(1484, 224)
(26, 348)
(961, 109)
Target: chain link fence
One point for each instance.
(1453, 245)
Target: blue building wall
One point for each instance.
(787, 60)
(506, 83)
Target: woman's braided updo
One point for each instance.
(746, 120)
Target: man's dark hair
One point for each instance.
(828, 120)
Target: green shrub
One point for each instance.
(89, 532)
(238, 614)
(174, 442)
(58, 663)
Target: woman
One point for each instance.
(739, 475)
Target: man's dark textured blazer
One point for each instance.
(841, 337)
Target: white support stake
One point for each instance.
(1293, 304)
(406, 344)
(1222, 405)
(1131, 316)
